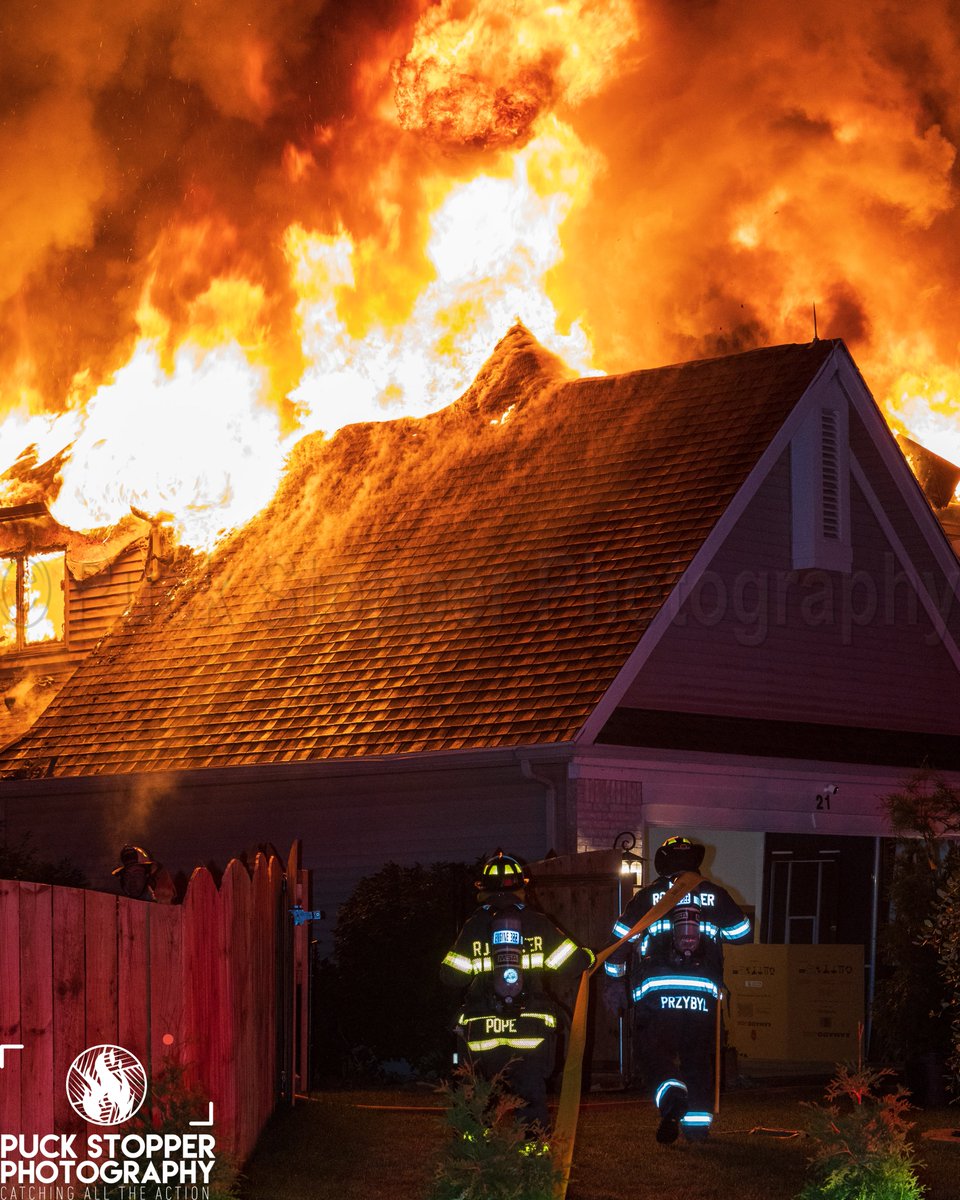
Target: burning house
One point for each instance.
(709, 597)
(253, 251)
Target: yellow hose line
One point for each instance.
(565, 1127)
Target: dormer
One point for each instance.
(61, 591)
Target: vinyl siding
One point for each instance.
(757, 639)
(94, 605)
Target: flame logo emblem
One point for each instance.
(106, 1085)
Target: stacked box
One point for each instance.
(795, 1003)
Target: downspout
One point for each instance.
(527, 771)
(874, 925)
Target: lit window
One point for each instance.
(31, 600)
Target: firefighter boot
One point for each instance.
(671, 1100)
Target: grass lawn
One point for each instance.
(341, 1146)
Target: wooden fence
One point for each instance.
(216, 985)
(584, 893)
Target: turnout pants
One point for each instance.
(677, 1050)
(520, 1045)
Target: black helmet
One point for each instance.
(133, 856)
(678, 854)
(502, 873)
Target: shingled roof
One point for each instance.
(475, 578)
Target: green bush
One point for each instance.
(172, 1103)
(941, 931)
(490, 1155)
(380, 1005)
(22, 861)
(860, 1140)
(916, 993)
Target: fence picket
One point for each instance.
(263, 928)
(10, 1027)
(168, 983)
(236, 925)
(223, 933)
(36, 1007)
(69, 1024)
(298, 948)
(202, 1002)
(133, 965)
(101, 984)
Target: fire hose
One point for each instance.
(565, 1127)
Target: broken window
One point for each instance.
(31, 600)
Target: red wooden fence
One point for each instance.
(211, 984)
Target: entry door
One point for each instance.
(803, 897)
(817, 889)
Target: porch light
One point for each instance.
(630, 864)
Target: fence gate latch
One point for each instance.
(301, 915)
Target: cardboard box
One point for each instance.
(794, 1003)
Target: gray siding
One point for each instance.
(757, 639)
(349, 826)
(905, 524)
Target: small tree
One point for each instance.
(172, 1104)
(910, 1003)
(490, 1155)
(942, 933)
(860, 1140)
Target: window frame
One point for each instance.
(20, 644)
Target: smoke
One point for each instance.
(143, 146)
(757, 162)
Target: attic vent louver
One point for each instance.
(820, 485)
(830, 472)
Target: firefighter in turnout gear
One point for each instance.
(672, 973)
(505, 955)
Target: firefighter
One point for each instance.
(505, 954)
(142, 878)
(672, 973)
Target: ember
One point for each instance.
(232, 224)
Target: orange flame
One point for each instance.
(492, 244)
(246, 221)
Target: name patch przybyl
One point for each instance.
(689, 1003)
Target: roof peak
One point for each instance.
(519, 367)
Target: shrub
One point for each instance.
(860, 1140)
(22, 861)
(382, 998)
(489, 1155)
(941, 931)
(172, 1103)
(910, 1002)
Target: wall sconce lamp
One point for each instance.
(630, 864)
